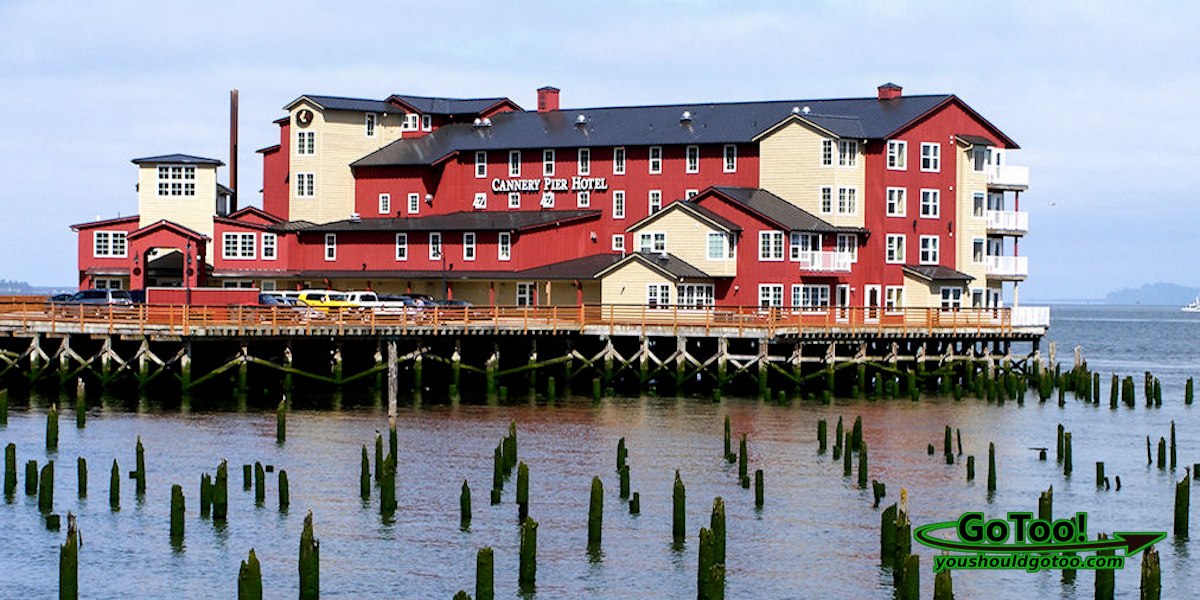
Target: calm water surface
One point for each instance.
(817, 536)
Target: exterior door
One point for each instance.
(526, 294)
(871, 303)
(841, 299)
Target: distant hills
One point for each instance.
(11, 287)
(1161, 294)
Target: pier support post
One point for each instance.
(644, 366)
(337, 364)
(393, 385)
(492, 365)
(764, 391)
(185, 367)
(531, 374)
(722, 365)
(680, 363)
(456, 371)
(287, 362)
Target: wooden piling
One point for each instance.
(1046, 505)
(522, 491)
(1183, 501)
(141, 468)
(1162, 453)
(485, 588)
(624, 482)
(856, 435)
(52, 428)
(623, 453)
(862, 464)
(1127, 392)
(1151, 584)
(822, 430)
(679, 509)
(114, 487)
(80, 412)
(706, 567)
(527, 568)
(46, 489)
(364, 476)
(991, 467)
(247, 477)
(1113, 389)
(10, 469)
(220, 493)
(635, 503)
(1099, 473)
(595, 513)
(310, 562)
(1149, 458)
(846, 466)
(378, 457)
(260, 484)
(758, 487)
(81, 476)
(1067, 462)
(176, 512)
(387, 487)
(206, 494)
(68, 563)
(958, 434)
(281, 422)
(1172, 446)
(596, 389)
(887, 536)
(1187, 392)
(285, 497)
(943, 586)
(716, 525)
(1058, 452)
(3, 407)
(498, 467)
(31, 478)
(837, 440)
(878, 491)
(250, 579)
(743, 463)
(970, 468)
(1105, 578)
(947, 443)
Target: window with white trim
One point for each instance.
(426, 122)
(410, 122)
(655, 160)
(514, 199)
(694, 295)
(583, 199)
(977, 298)
(978, 158)
(514, 163)
(238, 246)
(480, 201)
(978, 201)
(931, 157)
(658, 295)
(414, 204)
(652, 241)
(619, 204)
(504, 246)
(770, 245)
(810, 297)
(929, 249)
(468, 246)
(655, 201)
(526, 294)
(618, 242)
(306, 185)
(826, 153)
(897, 155)
(548, 162)
(268, 285)
(826, 200)
(619, 160)
(107, 283)
(977, 251)
(718, 246)
(269, 246)
(930, 204)
(306, 143)
(435, 246)
(770, 295)
(480, 164)
(894, 249)
(893, 299)
(385, 204)
(803, 245)
(897, 202)
(401, 246)
(689, 194)
(548, 200)
(369, 119)
(730, 156)
(693, 159)
(585, 162)
(847, 201)
(177, 180)
(110, 244)
(330, 246)
(952, 298)
(847, 243)
(847, 153)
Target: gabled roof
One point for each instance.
(705, 215)
(460, 221)
(449, 106)
(223, 190)
(105, 222)
(269, 149)
(935, 273)
(670, 266)
(177, 159)
(165, 224)
(784, 214)
(975, 140)
(253, 210)
(342, 103)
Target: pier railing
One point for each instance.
(35, 315)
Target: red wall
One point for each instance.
(285, 244)
(85, 249)
(202, 296)
(275, 174)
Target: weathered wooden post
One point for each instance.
(364, 477)
(837, 440)
(52, 428)
(527, 568)
(176, 512)
(68, 563)
(1162, 453)
(947, 443)
(387, 487)
(846, 466)
(220, 493)
(281, 422)
(206, 494)
(1151, 587)
(285, 497)
(464, 506)
(1149, 458)
(31, 478)
(1099, 473)
(310, 562)
(943, 586)
(141, 468)
(250, 579)
(1058, 452)
(1105, 578)
(758, 488)
(485, 588)
(247, 477)
(1183, 495)
(1127, 390)
(1067, 462)
(1187, 392)
(114, 487)
(878, 491)
(80, 412)
(856, 435)
(679, 509)
(958, 434)
(1046, 505)
(991, 467)
(260, 484)
(862, 464)
(46, 489)
(728, 450)
(595, 513)
(1113, 389)
(1172, 449)
(635, 503)
(710, 575)
(887, 536)
(522, 491)
(624, 482)
(3, 407)
(10, 469)
(716, 524)
(378, 457)
(822, 429)
(743, 463)
(970, 467)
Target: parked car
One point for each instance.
(328, 301)
(422, 299)
(371, 300)
(453, 303)
(114, 297)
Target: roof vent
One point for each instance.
(487, 122)
(581, 120)
(686, 117)
(806, 110)
(355, 218)
(478, 121)
(795, 110)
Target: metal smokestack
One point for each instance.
(233, 150)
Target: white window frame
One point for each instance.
(811, 297)
(847, 201)
(979, 205)
(426, 122)
(385, 204)
(514, 200)
(729, 158)
(108, 283)
(654, 201)
(434, 241)
(584, 161)
(929, 253)
(770, 246)
(270, 246)
(619, 160)
(931, 157)
(770, 295)
(480, 164)
(689, 194)
(330, 247)
(931, 203)
(825, 200)
(514, 163)
(618, 242)
(480, 201)
(897, 201)
(801, 244)
(726, 250)
(526, 293)
(658, 295)
(414, 204)
(827, 151)
(109, 249)
(176, 180)
(848, 243)
(504, 246)
(980, 257)
(619, 204)
(370, 122)
(583, 199)
(897, 155)
(894, 249)
(695, 295)
(234, 246)
(401, 246)
(468, 246)
(548, 162)
(652, 241)
(692, 159)
(306, 143)
(951, 301)
(848, 153)
(978, 298)
(306, 185)
(654, 160)
(893, 299)
(410, 122)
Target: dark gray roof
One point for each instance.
(975, 140)
(459, 221)
(726, 223)
(936, 273)
(177, 159)
(355, 104)
(775, 209)
(578, 268)
(687, 206)
(711, 123)
(666, 263)
(449, 106)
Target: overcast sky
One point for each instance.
(1102, 97)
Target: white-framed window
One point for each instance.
(897, 202)
(770, 246)
(977, 298)
(893, 299)
(330, 246)
(697, 295)
(619, 160)
(237, 283)
(931, 157)
(414, 204)
(655, 201)
(652, 241)
(514, 163)
(826, 153)
(978, 210)
(410, 122)
(110, 244)
(730, 162)
(897, 155)
(689, 194)
(693, 159)
(426, 122)
(978, 251)
(718, 246)
(848, 243)
(619, 204)
(952, 298)
(268, 285)
(548, 162)
(401, 246)
(514, 199)
(548, 200)
(770, 294)
(826, 200)
(658, 295)
(978, 158)
(526, 294)
(435, 246)
(269, 246)
(504, 246)
(385, 204)
(369, 120)
(468, 244)
(929, 249)
(480, 164)
(930, 204)
(238, 246)
(618, 242)
(583, 199)
(810, 297)
(176, 180)
(847, 153)
(306, 143)
(655, 160)
(107, 283)
(585, 162)
(803, 244)
(480, 201)
(894, 252)
(847, 201)
(306, 185)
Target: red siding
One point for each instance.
(275, 174)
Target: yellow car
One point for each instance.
(327, 301)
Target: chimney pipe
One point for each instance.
(889, 91)
(547, 99)
(233, 150)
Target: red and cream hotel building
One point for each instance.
(883, 201)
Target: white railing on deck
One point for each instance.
(1008, 220)
(1008, 175)
(1008, 266)
(1031, 316)
(838, 262)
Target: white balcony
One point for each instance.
(827, 262)
(1008, 221)
(1031, 316)
(1008, 267)
(1008, 176)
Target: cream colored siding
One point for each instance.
(921, 294)
(687, 238)
(194, 212)
(790, 167)
(627, 285)
(967, 226)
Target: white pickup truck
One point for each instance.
(372, 301)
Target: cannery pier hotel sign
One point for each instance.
(550, 184)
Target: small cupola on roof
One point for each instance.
(889, 91)
(547, 99)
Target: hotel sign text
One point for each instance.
(550, 184)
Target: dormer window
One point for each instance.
(176, 181)
(370, 122)
(411, 122)
(426, 123)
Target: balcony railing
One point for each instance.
(832, 262)
(1008, 175)
(1008, 266)
(1008, 221)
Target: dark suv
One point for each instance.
(118, 297)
